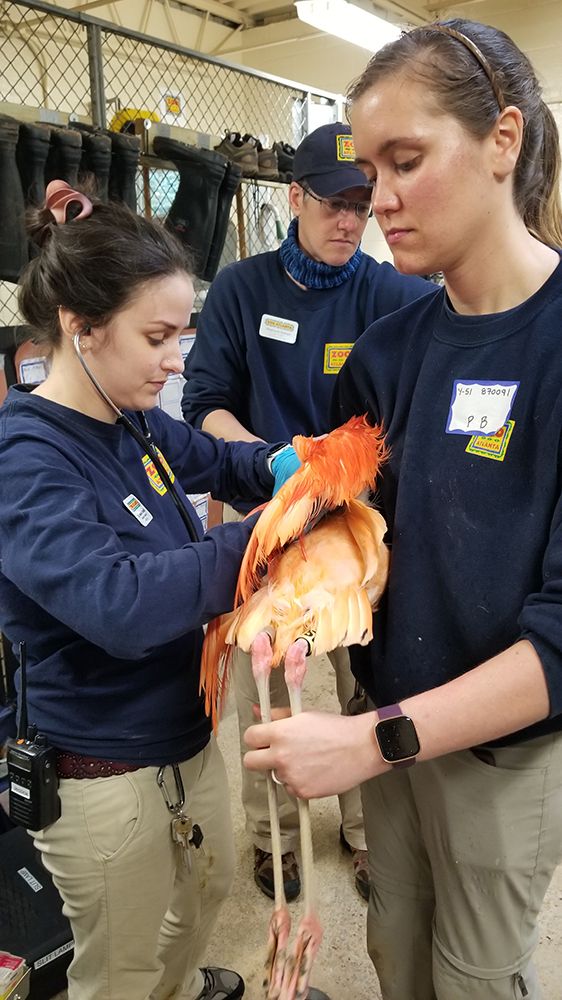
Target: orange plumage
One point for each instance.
(323, 579)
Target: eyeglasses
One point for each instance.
(333, 206)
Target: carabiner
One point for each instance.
(174, 807)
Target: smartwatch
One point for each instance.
(396, 737)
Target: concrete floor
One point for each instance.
(342, 968)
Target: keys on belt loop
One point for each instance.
(182, 829)
(185, 833)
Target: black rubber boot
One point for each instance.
(65, 156)
(31, 155)
(96, 157)
(13, 238)
(227, 191)
(125, 156)
(193, 213)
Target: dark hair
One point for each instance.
(474, 71)
(93, 265)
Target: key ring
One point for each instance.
(174, 807)
(275, 778)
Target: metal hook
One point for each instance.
(174, 807)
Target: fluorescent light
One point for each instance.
(347, 21)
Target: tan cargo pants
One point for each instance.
(141, 920)
(461, 853)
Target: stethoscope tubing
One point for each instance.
(143, 438)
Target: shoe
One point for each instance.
(227, 190)
(32, 152)
(263, 874)
(65, 156)
(243, 153)
(268, 167)
(221, 984)
(96, 156)
(193, 212)
(13, 242)
(125, 158)
(360, 867)
(285, 158)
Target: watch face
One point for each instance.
(397, 739)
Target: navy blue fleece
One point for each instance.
(274, 388)
(476, 540)
(112, 610)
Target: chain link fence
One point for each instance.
(61, 67)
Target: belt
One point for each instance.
(76, 765)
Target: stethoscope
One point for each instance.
(143, 438)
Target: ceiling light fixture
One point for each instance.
(347, 21)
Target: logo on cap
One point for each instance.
(345, 150)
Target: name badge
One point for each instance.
(138, 510)
(480, 407)
(277, 328)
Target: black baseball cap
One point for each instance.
(325, 160)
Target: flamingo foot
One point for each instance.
(279, 930)
(298, 966)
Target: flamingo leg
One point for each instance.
(309, 932)
(280, 923)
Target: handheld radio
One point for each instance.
(32, 774)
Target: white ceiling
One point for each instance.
(267, 35)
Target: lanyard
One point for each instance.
(144, 439)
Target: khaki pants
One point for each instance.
(461, 853)
(254, 791)
(141, 920)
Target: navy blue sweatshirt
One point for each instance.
(475, 519)
(111, 609)
(277, 388)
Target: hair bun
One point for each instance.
(40, 224)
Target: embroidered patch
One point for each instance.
(153, 474)
(494, 445)
(335, 356)
(480, 407)
(345, 150)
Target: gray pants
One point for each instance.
(461, 853)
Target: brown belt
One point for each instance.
(76, 765)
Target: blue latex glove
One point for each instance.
(283, 465)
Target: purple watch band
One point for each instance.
(389, 712)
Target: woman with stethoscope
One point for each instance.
(107, 578)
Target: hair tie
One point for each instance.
(59, 195)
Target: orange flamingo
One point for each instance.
(314, 569)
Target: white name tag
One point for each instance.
(138, 510)
(277, 328)
(480, 407)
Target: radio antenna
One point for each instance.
(22, 727)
